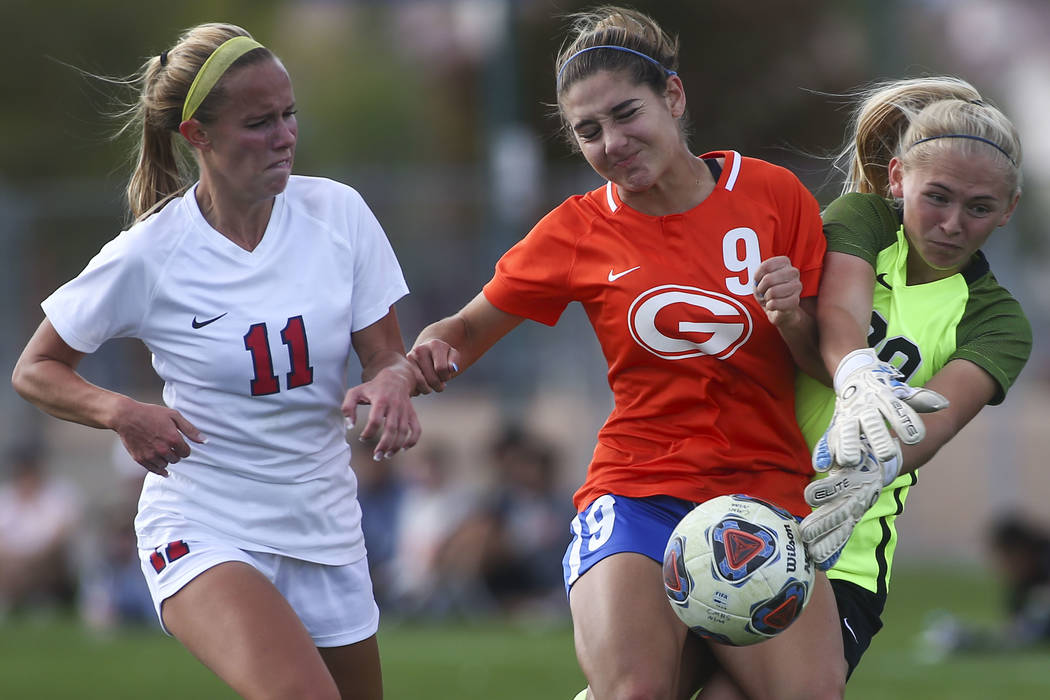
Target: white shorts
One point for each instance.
(334, 603)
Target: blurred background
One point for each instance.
(440, 112)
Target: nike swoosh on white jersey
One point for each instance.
(613, 276)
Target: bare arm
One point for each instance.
(968, 389)
(800, 334)
(389, 380)
(778, 289)
(844, 307)
(447, 347)
(844, 316)
(45, 375)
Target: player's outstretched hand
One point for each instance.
(155, 436)
(437, 361)
(841, 498)
(778, 288)
(871, 394)
(392, 420)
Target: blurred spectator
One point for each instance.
(1020, 552)
(528, 521)
(1022, 556)
(113, 591)
(439, 548)
(433, 572)
(380, 491)
(39, 515)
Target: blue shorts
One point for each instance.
(615, 524)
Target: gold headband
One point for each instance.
(218, 63)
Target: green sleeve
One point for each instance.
(994, 334)
(861, 225)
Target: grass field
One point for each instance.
(57, 659)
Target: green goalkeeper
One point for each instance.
(911, 317)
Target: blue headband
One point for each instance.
(982, 139)
(652, 60)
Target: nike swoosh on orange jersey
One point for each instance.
(613, 276)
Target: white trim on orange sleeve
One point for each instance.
(733, 172)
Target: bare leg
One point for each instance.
(240, 626)
(721, 687)
(629, 642)
(356, 669)
(805, 662)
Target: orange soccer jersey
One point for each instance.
(703, 383)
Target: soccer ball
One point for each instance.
(735, 570)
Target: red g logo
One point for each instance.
(675, 322)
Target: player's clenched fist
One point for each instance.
(778, 288)
(437, 361)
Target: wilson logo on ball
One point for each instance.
(676, 322)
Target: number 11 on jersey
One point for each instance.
(256, 341)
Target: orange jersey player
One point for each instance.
(692, 357)
(698, 275)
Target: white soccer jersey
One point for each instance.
(253, 349)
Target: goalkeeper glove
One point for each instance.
(842, 498)
(871, 393)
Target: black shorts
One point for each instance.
(860, 615)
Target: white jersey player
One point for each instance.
(249, 288)
(253, 349)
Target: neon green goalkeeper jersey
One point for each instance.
(918, 329)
